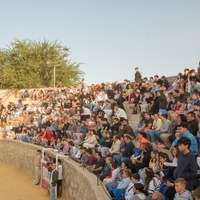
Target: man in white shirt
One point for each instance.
(115, 145)
(85, 114)
(119, 112)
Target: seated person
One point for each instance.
(43, 137)
(91, 157)
(182, 131)
(181, 192)
(152, 183)
(115, 148)
(73, 149)
(142, 137)
(90, 139)
(135, 178)
(120, 190)
(98, 164)
(106, 169)
(119, 176)
(125, 150)
(196, 193)
(138, 163)
(112, 176)
(139, 192)
(137, 151)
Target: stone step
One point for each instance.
(133, 124)
(127, 108)
(133, 118)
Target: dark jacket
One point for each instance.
(128, 149)
(193, 127)
(129, 130)
(54, 178)
(186, 168)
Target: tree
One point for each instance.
(31, 64)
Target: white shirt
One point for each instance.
(60, 171)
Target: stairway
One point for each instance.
(133, 118)
(133, 121)
(11, 96)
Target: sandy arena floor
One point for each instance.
(14, 185)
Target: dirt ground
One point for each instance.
(14, 185)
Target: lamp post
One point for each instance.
(54, 76)
(54, 71)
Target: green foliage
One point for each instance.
(30, 64)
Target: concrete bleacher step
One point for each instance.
(133, 118)
(127, 108)
(133, 124)
(133, 121)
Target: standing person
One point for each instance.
(53, 182)
(138, 75)
(60, 177)
(38, 158)
(186, 165)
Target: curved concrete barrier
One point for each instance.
(78, 183)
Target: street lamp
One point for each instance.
(54, 71)
(54, 76)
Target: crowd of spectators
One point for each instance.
(90, 125)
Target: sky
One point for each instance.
(111, 37)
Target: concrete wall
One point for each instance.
(78, 183)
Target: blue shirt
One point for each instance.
(193, 146)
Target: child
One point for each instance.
(151, 183)
(142, 137)
(114, 172)
(163, 157)
(174, 152)
(84, 157)
(135, 178)
(196, 193)
(181, 192)
(153, 163)
(58, 144)
(139, 193)
(137, 151)
(106, 169)
(120, 190)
